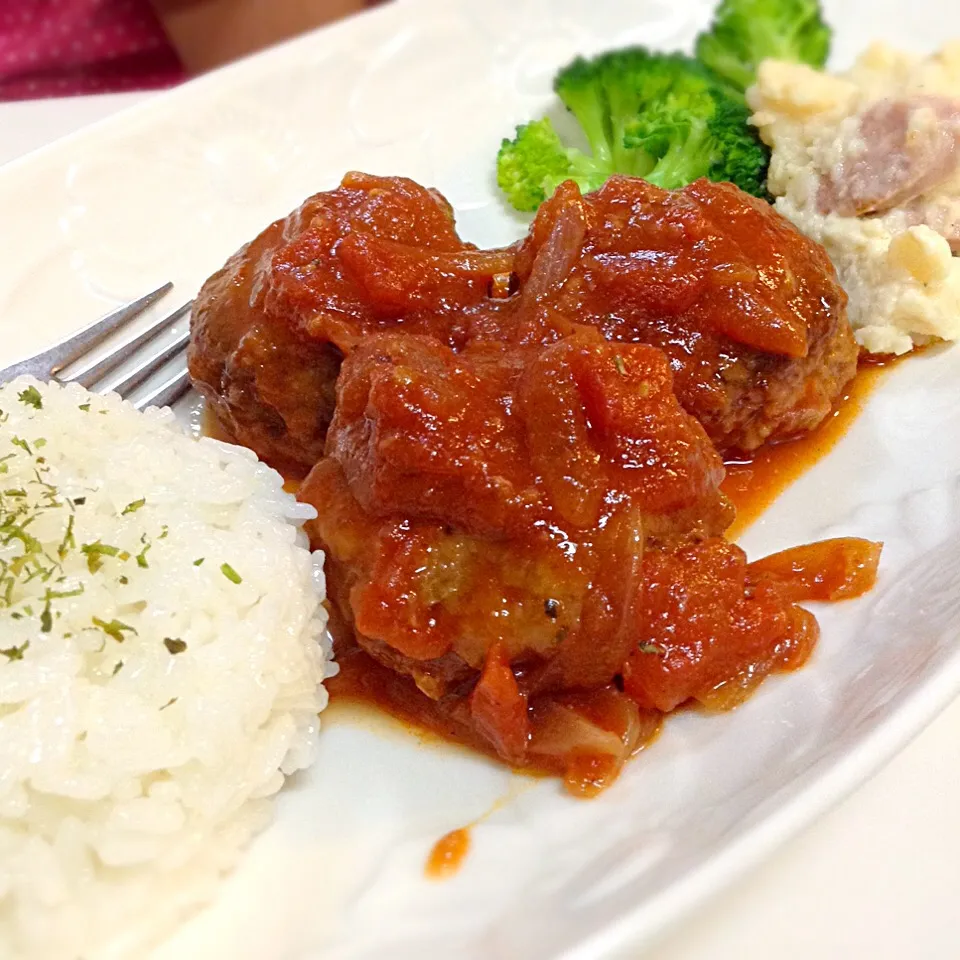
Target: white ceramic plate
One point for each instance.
(426, 88)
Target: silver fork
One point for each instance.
(76, 360)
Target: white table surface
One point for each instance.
(877, 878)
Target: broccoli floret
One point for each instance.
(745, 32)
(606, 95)
(532, 165)
(674, 132)
(741, 157)
(580, 86)
(663, 117)
(700, 133)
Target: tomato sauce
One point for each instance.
(753, 484)
(519, 496)
(448, 854)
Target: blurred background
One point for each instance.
(55, 48)
(208, 33)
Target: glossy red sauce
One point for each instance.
(520, 504)
(753, 484)
(448, 854)
(753, 487)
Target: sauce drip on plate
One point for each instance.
(753, 484)
(448, 854)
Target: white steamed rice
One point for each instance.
(146, 721)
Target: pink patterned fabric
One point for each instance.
(55, 48)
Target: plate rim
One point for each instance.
(810, 797)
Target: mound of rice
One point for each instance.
(162, 650)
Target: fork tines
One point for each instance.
(152, 359)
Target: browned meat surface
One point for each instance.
(518, 486)
(495, 480)
(270, 328)
(747, 310)
(521, 540)
(272, 388)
